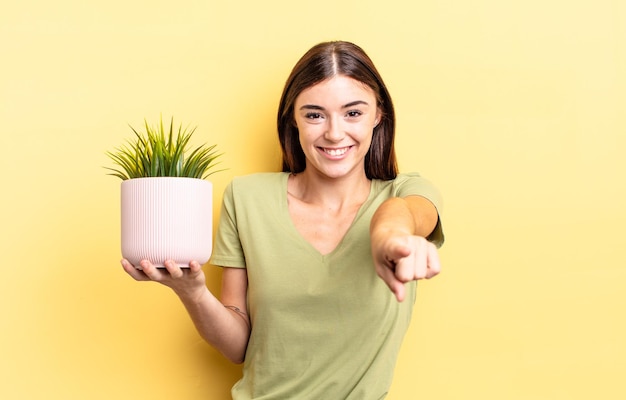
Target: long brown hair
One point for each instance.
(322, 62)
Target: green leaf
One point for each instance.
(161, 152)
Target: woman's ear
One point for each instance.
(379, 116)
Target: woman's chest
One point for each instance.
(322, 228)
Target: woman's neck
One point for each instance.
(335, 193)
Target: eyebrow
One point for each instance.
(351, 104)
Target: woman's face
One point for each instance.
(335, 119)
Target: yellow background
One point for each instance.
(516, 109)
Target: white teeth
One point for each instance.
(336, 152)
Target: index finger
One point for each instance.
(135, 273)
(396, 286)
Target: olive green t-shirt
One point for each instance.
(323, 326)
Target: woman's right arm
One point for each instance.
(225, 325)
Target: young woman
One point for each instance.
(320, 260)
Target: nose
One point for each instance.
(334, 130)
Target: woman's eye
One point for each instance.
(313, 115)
(354, 113)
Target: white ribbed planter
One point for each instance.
(167, 218)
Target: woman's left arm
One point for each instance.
(398, 233)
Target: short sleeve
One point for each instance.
(227, 248)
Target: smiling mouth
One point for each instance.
(335, 152)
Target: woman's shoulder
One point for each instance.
(411, 178)
(411, 183)
(402, 178)
(257, 185)
(259, 180)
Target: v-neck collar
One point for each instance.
(284, 206)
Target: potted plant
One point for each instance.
(166, 201)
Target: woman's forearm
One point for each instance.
(412, 215)
(224, 328)
(400, 250)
